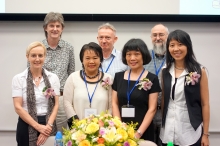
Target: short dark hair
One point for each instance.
(190, 61)
(93, 47)
(136, 45)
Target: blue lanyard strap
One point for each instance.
(110, 64)
(90, 97)
(129, 93)
(157, 70)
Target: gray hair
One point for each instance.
(166, 29)
(107, 26)
(53, 17)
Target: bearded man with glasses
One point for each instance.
(159, 34)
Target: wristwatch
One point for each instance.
(139, 132)
(51, 125)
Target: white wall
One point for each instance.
(16, 36)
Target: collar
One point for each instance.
(172, 71)
(61, 43)
(160, 56)
(25, 73)
(157, 55)
(113, 52)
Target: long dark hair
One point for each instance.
(190, 61)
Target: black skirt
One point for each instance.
(22, 134)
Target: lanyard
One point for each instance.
(109, 64)
(157, 70)
(90, 97)
(129, 93)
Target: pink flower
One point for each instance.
(111, 123)
(126, 144)
(102, 131)
(69, 143)
(192, 78)
(106, 83)
(49, 92)
(145, 84)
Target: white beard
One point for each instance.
(159, 49)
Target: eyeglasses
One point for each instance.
(160, 35)
(107, 38)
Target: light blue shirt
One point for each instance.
(113, 63)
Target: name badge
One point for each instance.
(90, 111)
(128, 111)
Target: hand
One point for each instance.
(41, 139)
(44, 129)
(205, 140)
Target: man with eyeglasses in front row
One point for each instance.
(112, 62)
(159, 34)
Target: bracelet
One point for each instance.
(51, 125)
(139, 132)
(207, 134)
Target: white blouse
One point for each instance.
(178, 128)
(19, 89)
(76, 100)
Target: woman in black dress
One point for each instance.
(135, 91)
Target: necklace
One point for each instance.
(91, 77)
(179, 68)
(37, 79)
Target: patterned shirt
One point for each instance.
(113, 64)
(60, 60)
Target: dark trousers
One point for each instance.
(22, 133)
(198, 143)
(157, 134)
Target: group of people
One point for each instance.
(164, 90)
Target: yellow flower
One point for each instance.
(100, 145)
(92, 128)
(117, 122)
(78, 136)
(78, 123)
(101, 130)
(131, 132)
(119, 144)
(132, 143)
(84, 143)
(123, 133)
(95, 120)
(111, 136)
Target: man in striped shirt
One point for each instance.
(112, 62)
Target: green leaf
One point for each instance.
(45, 88)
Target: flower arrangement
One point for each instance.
(192, 78)
(145, 84)
(106, 83)
(48, 92)
(100, 130)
